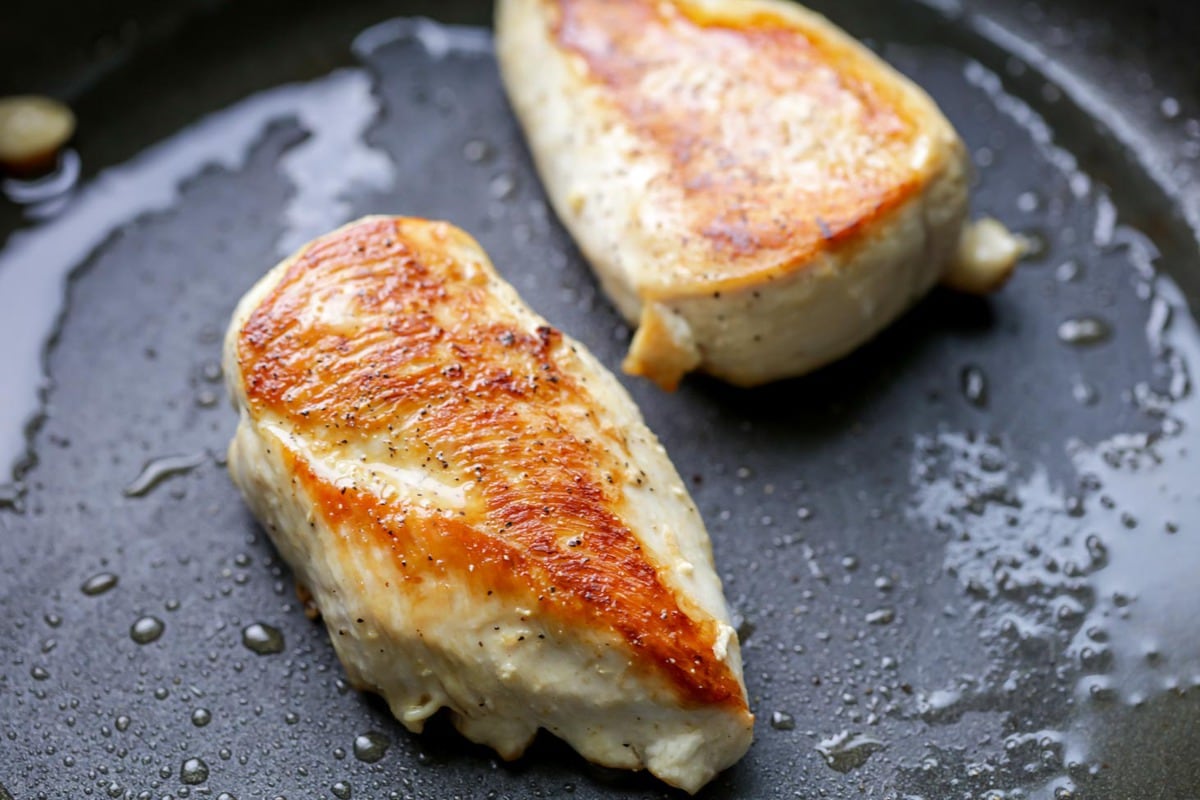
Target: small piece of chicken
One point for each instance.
(478, 509)
(758, 193)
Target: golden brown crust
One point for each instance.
(784, 140)
(433, 373)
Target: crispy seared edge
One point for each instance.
(309, 380)
(913, 137)
(723, 325)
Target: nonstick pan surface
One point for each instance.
(965, 561)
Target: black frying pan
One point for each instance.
(971, 547)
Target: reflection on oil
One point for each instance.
(1100, 579)
(157, 470)
(847, 751)
(1141, 639)
(1082, 585)
(335, 111)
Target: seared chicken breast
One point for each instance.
(477, 508)
(758, 193)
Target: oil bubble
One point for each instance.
(99, 583)
(370, 746)
(1083, 331)
(146, 630)
(193, 771)
(847, 751)
(262, 639)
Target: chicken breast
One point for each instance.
(758, 193)
(477, 508)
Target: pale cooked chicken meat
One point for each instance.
(477, 508)
(758, 193)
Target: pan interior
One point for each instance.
(962, 560)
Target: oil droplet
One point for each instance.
(1096, 549)
(503, 186)
(743, 627)
(122, 723)
(341, 790)
(846, 751)
(782, 721)
(99, 583)
(370, 746)
(157, 470)
(476, 151)
(882, 616)
(1084, 393)
(1084, 331)
(201, 717)
(146, 630)
(262, 639)
(973, 383)
(53, 620)
(193, 771)
(11, 497)
(1102, 690)
(1067, 271)
(39, 673)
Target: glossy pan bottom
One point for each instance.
(962, 559)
